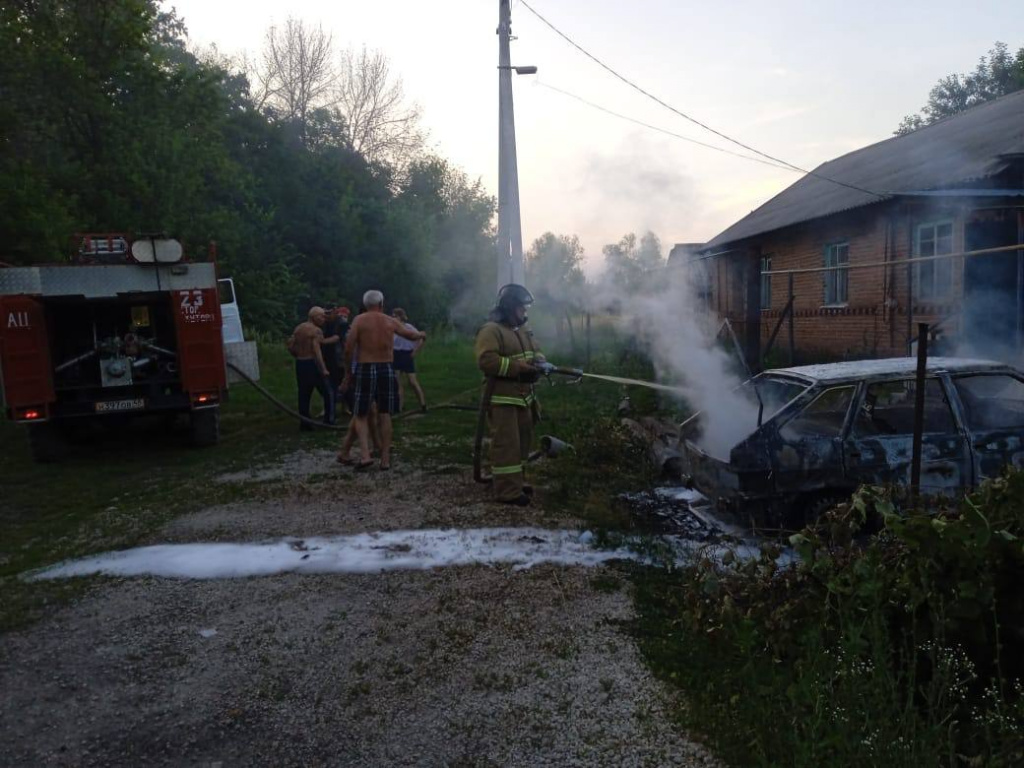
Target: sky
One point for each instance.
(802, 81)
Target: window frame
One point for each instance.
(836, 275)
(946, 265)
(766, 282)
(785, 429)
(939, 386)
(964, 406)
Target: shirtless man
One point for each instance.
(373, 333)
(310, 369)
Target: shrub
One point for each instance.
(898, 647)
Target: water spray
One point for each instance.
(550, 446)
(578, 375)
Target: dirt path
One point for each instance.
(459, 666)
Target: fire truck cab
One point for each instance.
(127, 327)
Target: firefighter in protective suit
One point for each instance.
(511, 360)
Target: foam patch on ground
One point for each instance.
(362, 553)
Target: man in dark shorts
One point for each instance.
(373, 381)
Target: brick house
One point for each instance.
(954, 186)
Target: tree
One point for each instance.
(997, 74)
(160, 137)
(454, 217)
(553, 269)
(631, 266)
(556, 280)
(295, 76)
(380, 123)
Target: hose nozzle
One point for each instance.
(549, 368)
(552, 446)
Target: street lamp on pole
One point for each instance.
(510, 230)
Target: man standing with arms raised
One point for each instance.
(370, 342)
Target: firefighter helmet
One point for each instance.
(513, 295)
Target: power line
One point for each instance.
(683, 115)
(663, 130)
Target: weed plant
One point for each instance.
(894, 639)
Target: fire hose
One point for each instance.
(485, 404)
(313, 422)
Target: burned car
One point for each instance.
(823, 430)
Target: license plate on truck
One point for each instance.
(116, 406)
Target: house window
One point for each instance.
(933, 279)
(837, 278)
(766, 282)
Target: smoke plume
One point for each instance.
(679, 337)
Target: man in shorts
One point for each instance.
(370, 341)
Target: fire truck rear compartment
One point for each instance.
(113, 355)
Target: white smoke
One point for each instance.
(680, 338)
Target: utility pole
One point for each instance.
(510, 228)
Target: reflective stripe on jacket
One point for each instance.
(501, 352)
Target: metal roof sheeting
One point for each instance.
(964, 148)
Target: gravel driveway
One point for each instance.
(460, 666)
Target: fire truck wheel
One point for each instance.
(205, 427)
(47, 443)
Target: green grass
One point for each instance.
(114, 492)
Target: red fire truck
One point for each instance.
(127, 326)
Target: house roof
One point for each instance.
(855, 370)
(964, 148)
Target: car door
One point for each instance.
(879, 447)
(808, 453)
(992, 405)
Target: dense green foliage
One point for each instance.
(109, 123)
(897, 648)
(997, 74)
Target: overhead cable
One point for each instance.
(683, 115)
(664, 131)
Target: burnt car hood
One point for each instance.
(711, 476)
(746, 475)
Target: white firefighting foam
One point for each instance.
(361, 553)
(377, 552)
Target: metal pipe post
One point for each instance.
(922, 368)
(792, 321)
(1020, 283)
(588, 340)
